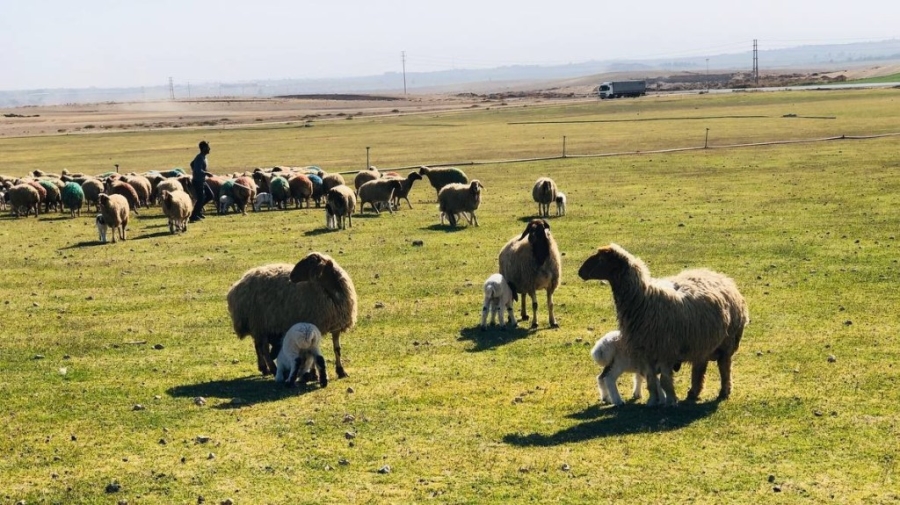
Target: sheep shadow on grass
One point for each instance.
(605, 421)
(492, 337)
(241, 391)
(318, 231)
(444, 227)
(86, 243)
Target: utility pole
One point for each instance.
(403, 60)
(707, 75)
(755, 63)
(171, 89)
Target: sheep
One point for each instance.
(72, 198)
(102, 227)
(92, 189)
(42, 192)
(615, 358)
(299, 349)
(560, 203)
(378, 191)
(244, 192)
(544, 193)
(405, 187)
(696, 316)
(330, 218)
(532, 262)
(301, 189)
(318, 191)
(114, 209)
(3, 197)
(280, 191)
(114, 187)
(268, 300)
(364, 176)
(24, 197)
(177, 206)
(343, 204)
(331, 180)
(226, 202)
(262, 199)
(53, 198)
(262, 180)
(498, 294)
(458, 198)
(440, 177)
(142, 187)
(169, 185)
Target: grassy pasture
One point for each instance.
(808, 231)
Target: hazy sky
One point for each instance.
(110, 43)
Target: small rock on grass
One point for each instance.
(199, 401)
(385, 469)
(113, 487)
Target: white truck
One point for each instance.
(618, 89)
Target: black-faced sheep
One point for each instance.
(177, 206)
(268, 300)
(455, 199)
(544, 193)
(440, 177)
(499, 296)
(300, 349)
(24, 198)
(696, 316)
(114, 209)
(406, 185)
(378, 191)
(343, 204)
(532, 262)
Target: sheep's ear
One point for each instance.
(323, 266)
(546, 224)
(527, 230)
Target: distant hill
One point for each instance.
(821, 57)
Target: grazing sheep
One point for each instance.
(102, 227)
(281, 191)
(262, 199)
(318, 192)
(226, 202)
(343, 204)
(498, 295)
(53, 198)
(268, 300)
(611, 353)
(544, 193)
(169, 185)
(364, 176)
(405, 187)
(460, 198)
(262, 180)
(72, 198)
(142, 188)
(440, 177)
(114, 209)
(560, 203)
(92, 189)
(114, 187)
(177, 206)
(299, 350)
(42, 192)
(378, 191)
(331, 180)
(301, 190)
(244, 192)
(24, 198)
(696, 316)
(532, 262)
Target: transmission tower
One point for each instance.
(755, 62)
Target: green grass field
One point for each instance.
(883, 78)
(807, 230)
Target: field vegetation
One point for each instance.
(105, 349)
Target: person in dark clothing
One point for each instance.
(199, 174)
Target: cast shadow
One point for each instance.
(318, 231)
(606, 421)
(242, 391)
(444, 228)
(87, 243)
(493, 337)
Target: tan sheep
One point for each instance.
(696, 316)
(341, 202)
(364, 176)
(532, 262)
(457, 198)
(378, 191)
(24, 198)
(544, 193)
(114, 209)
(177, 206)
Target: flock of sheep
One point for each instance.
(697, 316)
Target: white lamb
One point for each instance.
(498, 293)
(611, 353)
(226, 202)
(560, 203)
(299, 350)
(262, 199)
(102, 227)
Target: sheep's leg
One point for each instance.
(724, 363)
(323, 374)
(653, 387)
(549, 309)
(407, 203)
(524, 313)
(292, 375)
(698, 375)
(309, 372)
(666, 381)
(604, 392)
(534, 306)
(474, 218)
(638, 383)
(262, 354)
(484, 313)
(338, 366)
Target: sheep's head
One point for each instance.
(103, 201)
(476, 186)
(538, 233)
(414, 176)
(605, 264)
(423, 170)
(311, 267)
